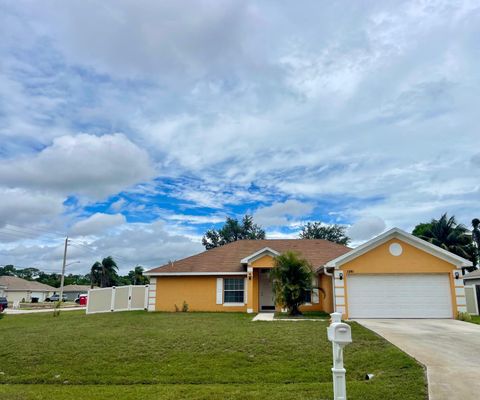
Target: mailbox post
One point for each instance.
(340, 335)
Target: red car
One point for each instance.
(3, 303)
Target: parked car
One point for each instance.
(3, 303)
(56, 297)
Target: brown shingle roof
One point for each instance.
(14, 283)
(76, 288)
(227, 258)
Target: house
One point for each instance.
(73, 291)
(18, 289)
(2, 291)
(472, 278)
(395, 275)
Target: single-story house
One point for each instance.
(394, 275)
(2, 291)
(472, 278)
(18, 289)
(73, 291)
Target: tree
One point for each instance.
(8, 270)
(447, 234)
(104, 273)
(333, 233)
(232, 231)
(136, 276)
(476, 241)
(292, 280)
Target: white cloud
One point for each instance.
(97, 223)
(366, 228)
(23, 207)
(83, 164)
(281, 213)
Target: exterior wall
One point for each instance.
(326, 300)
(17, 296)
(199, 292)
(472, 282)
(73, 295)
(263, 262)
(411, 261)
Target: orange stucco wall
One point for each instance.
(326, 299)
(198, 291)
(411, 261)
(263, 262)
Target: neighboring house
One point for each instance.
(73, 291)
(2, 291)
(395, 275)
(472, 278)
(18, 289)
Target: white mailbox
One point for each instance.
(340, 333)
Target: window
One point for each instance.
(308, 296)
(233, 290)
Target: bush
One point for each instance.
(464, 316)
(185, 306)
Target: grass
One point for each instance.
(305, 315)
(476, 319)
(144, 355)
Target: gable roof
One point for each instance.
(473, 275)
(15, 283)
(396, 233)
(76, 288)
(228, 258)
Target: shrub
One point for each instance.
(185, 306)
(464, 316)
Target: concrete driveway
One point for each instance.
(449, 349)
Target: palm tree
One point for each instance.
(136, 276)
(447, 234)
(105, 272)
(292, 280)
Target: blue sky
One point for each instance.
(135, 126)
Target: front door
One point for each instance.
(267, 300)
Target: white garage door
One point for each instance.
(399, 296)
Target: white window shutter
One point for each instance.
(219, 290)
(245, 293)
(315, 298)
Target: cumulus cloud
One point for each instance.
(366, 228)
(282, 213)
(22, 207)
(90, 165)
(97, 223)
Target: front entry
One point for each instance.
(267, 300)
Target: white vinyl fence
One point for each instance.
(117, 298)
(472, 295)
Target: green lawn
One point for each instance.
(305, 315)
(140, 355)
(476, 319)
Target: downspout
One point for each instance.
(333, 287)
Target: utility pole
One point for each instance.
(63, 269)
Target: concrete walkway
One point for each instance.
(11, 311)
(449, 349)
(264, 316)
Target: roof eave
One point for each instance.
(458, 261)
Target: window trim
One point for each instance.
(234, 303)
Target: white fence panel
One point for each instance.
(119, 298)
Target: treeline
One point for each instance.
(134, 277)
